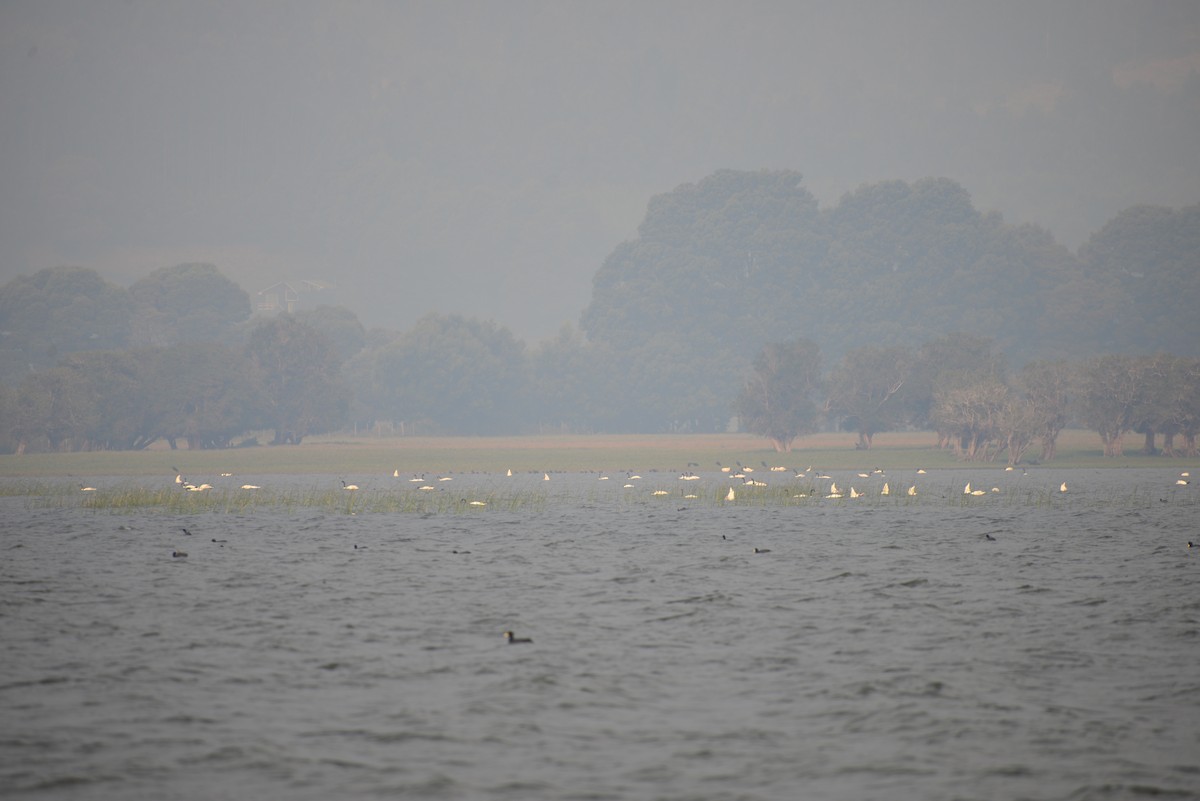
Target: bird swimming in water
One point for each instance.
(989, 537)
(762, 550)
(185, 531)
(178, 554)
(513, 639)
(350, 487)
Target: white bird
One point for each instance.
(510, 472)
(912, 490)
(545, 476)
(396, 473)
(350, 487)
(250, 486)
(731, 495)
(886, 490)
(86, 489)
(1063, 487)
(855, 493)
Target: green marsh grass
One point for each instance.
(130, 497)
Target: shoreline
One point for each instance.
(563, 453)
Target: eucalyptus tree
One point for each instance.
(865, 390)
(1046, 387)
(976, 417)
(1109, 390)
(777, 399)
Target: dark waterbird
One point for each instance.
(178, 554)
(513, 639)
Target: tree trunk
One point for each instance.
(1149, 448)
(1049, 446)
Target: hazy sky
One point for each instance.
(485, 157)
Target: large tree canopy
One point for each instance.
(187, 303)
(57, 311)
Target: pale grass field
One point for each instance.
(364, 456)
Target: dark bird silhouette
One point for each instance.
(178, 554)
(989, 537)
(185, 531)
(513, 639)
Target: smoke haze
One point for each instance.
(484, 158)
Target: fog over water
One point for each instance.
(484, 158)
(1028, 643)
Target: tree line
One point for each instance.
(674, 338)
(960, 387)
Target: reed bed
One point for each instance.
(501, 496)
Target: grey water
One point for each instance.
(927, 648)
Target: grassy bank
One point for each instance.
(375, 456)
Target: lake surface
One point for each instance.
(937, 647)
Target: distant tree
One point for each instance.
(339, 324)
(864, 390)
(206, 396)
(1046, 388)
(949, 362)
(974, 416)
(187, 303)
(1109, 390)
(1019, 421)
(52, 411)
(300, 371)
(1150, 253)
(112, 388)
(57, 311)
(465, 375)
(572, 382)
(1185, 388)
(777, 400)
